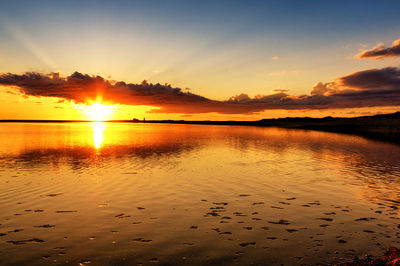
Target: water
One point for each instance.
(125, 194)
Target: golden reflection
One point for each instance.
(98, 133)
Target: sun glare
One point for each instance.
(98, 112)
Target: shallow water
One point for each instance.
(123, 194)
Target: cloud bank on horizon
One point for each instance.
(368, 88)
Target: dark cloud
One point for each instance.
(381, 51)
(374, 87)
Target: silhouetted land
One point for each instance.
(384, 127)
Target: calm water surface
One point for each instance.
(125, 194)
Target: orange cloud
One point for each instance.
(381, 51)
(369, 88)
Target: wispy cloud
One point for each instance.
(381, 51)
(368, 88)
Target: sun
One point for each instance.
(98, 112)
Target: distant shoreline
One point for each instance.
(384, 127)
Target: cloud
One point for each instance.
(368, 88)
(381, 51)
(324, 89)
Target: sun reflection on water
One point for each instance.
(98, 133)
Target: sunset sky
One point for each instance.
(217, 60)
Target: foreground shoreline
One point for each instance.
(385, 127)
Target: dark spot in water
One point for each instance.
(65, 211)
(215, 229)
(45, 257)
(272, 237)
(220, 203)
(292, 230)
(275, 207)
(254, 213)
(62, 253)
(226, 217)
(238, 253)
(284, 222)
(256, 219)
(140, 208)
(257, 203)
(291, 198)
(325, 219)
(45, 226)
(203, 200)
(154, 260)
(188, 244)
(247, 244)
(193, 227)
(329, 213)
(28, 210)
(244, 195)
(239, 214)
(225, 233)
(142, 240)
(223, 222)
(369, 231)
(265, 228)
(211, 214)
(2, 234)
(284, 203)
(324, 225)
(16, 230)
(378, 211)
(59, 248)
(345, 210)
(54, 194)
(305, 205)
(22, 242)
(121, 216)
(341, 241)
(248, 228)
(364, 219)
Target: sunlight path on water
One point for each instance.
(98, 133)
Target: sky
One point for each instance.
(214, 60)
